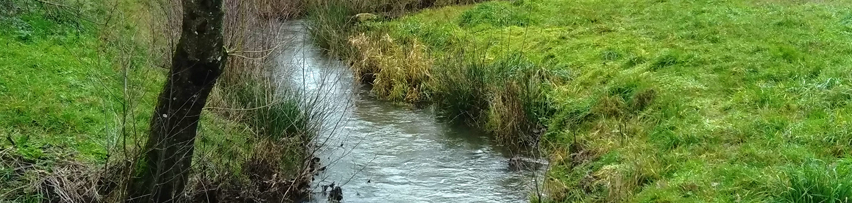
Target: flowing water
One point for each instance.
(384, 152)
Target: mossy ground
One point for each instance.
(664, 100)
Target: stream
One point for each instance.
(379, 151)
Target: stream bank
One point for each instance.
(378, 151)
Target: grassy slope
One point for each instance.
(57, 88)
(745, 98)
(61, 89)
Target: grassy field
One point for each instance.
(62, 88)
(643, 100)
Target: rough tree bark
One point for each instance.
(197, 62)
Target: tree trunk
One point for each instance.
(197, 62)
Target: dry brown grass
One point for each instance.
(396, 72)
(73, 182)
(506, 116)
(57, 180)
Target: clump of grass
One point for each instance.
(506, 96)
(247, 89)
(519, 105)
(258, 106)
(816, 181)
(397, 73)
(666, 59)
(460, 87)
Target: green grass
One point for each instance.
(814, 182)
(61, 95)
(56, 88)
(664, 101)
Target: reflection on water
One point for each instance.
(382, 152)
